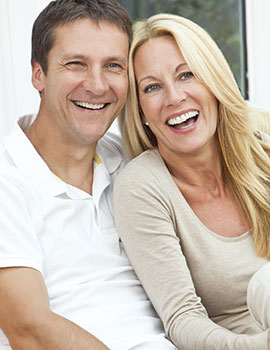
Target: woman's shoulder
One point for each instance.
(144, 167)
(150, 160)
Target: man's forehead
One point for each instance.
(92, 27)
(85, 38)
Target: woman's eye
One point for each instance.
(151, 88)
(186, 75)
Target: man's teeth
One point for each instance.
(182, 118)
(90, 105)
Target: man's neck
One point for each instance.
(71, 163)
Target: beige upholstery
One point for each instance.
(261, 120)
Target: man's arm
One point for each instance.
(28, 322)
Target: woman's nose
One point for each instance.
(175, 95)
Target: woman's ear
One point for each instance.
(37, 76)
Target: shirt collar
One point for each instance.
(108, 159)
(27, 159)
(110, 152)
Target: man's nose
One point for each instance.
(95, 82)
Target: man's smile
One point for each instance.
(91, 106)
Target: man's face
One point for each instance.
(86, 82)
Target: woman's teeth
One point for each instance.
(182, 118)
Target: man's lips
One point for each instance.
(90, 106)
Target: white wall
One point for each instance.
(258, 45)
(18, 97)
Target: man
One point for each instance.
(65, 281)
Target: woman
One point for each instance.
(192, 209)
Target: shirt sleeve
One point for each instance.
(258, 296)
(19, 225)
(145, 221)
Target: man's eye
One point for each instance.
(75, 63)
(151, 88)
(76, 66)
(114, 65)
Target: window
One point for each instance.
(223, 19)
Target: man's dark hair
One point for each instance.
(59, 12)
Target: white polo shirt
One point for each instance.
(69, 236)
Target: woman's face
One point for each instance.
(180, 110)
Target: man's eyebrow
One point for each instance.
(70, 56)
(151, 77)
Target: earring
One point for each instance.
(146, 123)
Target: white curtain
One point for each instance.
(17, 96)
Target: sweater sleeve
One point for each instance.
(145, 221)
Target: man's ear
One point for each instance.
(37, 76)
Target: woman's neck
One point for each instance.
(199, 170)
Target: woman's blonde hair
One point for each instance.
(245, 162)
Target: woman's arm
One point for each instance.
(258, 296)
(144, 219)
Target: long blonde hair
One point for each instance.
(244, 158)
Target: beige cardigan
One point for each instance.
(197, 280)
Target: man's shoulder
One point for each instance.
(13, 183)
(111, 150)
(111, 142)
(8, 170)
